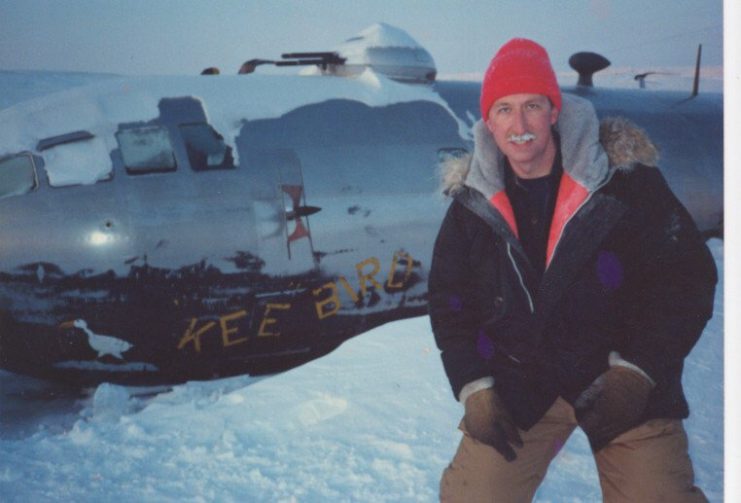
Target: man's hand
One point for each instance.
(612, 404)
(488, 421)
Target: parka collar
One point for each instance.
(584, 159)
(590, 151)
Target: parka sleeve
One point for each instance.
(674, 300)
(454, 322)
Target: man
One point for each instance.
(567, 286)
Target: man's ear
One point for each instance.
(554, 115)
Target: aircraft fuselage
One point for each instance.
(204, 239)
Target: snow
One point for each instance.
(17, 85)
(67, 164)
(377, 35)
(374, 421)
(228, 101)
(387, 50)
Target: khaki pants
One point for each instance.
(649, 463)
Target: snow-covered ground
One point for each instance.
(374, 421)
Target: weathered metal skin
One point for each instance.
(166, 277)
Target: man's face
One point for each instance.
(521, 126)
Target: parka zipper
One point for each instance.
(519, 276)
(558, 242)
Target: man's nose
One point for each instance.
(518, 122)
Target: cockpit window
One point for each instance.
(77, 160)
(206, 148)
(17, 175)
(146, 150)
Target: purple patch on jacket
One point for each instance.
(455, 303)
(609, 270)
(484, 346)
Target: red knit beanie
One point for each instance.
(520, 67)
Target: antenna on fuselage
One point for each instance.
(696, 84)
(641, 78)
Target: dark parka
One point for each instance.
(627, 271)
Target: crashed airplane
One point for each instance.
(162, 229)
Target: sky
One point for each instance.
(185, 36)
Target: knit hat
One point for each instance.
(520, 66)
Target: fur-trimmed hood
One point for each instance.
(590, 151)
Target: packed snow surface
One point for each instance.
(374, 421)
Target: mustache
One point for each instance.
(521, 138)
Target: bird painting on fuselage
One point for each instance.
(102, 344)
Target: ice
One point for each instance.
(523, 138)
(110, 402)
(385, 35)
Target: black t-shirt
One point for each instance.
(533, 201)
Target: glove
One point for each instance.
(611, 405)
(488, 421)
